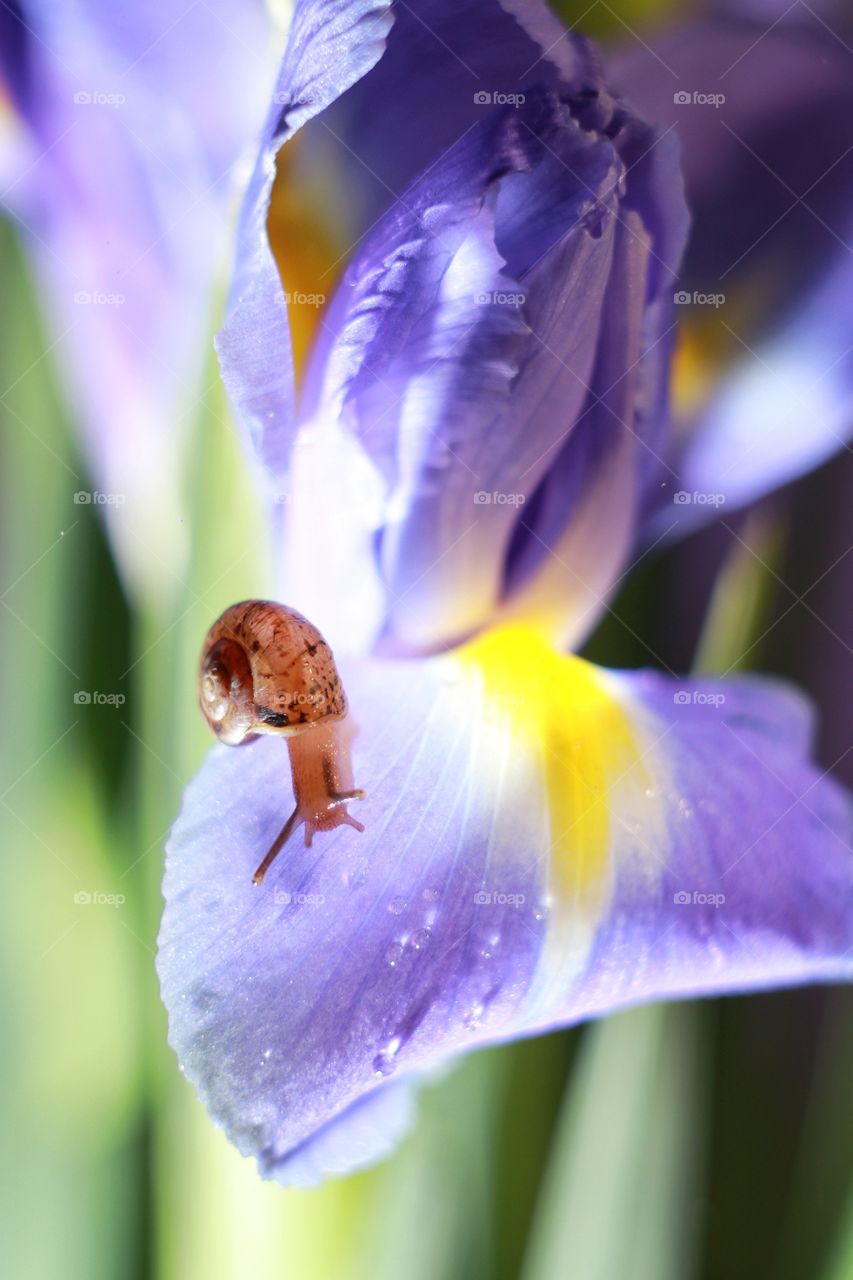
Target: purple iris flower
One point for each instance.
(117, 166)
(764, 114)
(480, 427)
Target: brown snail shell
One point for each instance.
(266, 669)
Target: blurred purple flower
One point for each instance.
(482, 422)
(120, 178)
(764, 114)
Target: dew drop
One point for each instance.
(267, 1054)
(355, 877)
(593, 220)
(384, 1062)
(394, 954)
(420, 938)
(473, 1017)
(430, 895)
(397, 906)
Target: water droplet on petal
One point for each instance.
(420, 938)
(384, 1062)
(394, 954)
(430, 895)
(354, 877)
(397, 906)
(472, 1018)
(593, 220)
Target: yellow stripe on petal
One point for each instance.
(563, 712)
(308, 241)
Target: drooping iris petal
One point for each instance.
(434, 55)
(446, 67)
(122, 194)
(505, 327)
(543, 841)
(576, 535)
(459, 349)
(764, 117)
(467, 337)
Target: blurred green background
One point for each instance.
(707, 1141)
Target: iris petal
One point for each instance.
(579, 529)
(445, 66)
(543, 840)
(329, 47)
(458, 378)
(121, 195)
(768, 173)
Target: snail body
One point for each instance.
(266, 669)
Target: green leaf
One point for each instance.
(619, 1200)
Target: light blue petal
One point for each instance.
(543, 841)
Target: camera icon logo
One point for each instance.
(682, 298)
(482, 498)
(681, 98)
(482, 898)
(681, 899)
(83, 98)
(682, 698)
(82, 698)
(482, 98)
(83, 898)
(82, 498)
(682, 498)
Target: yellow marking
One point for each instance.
(708, 344)
(695, 371)
(560, 709)
(307, 241)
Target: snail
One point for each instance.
(265, 669)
